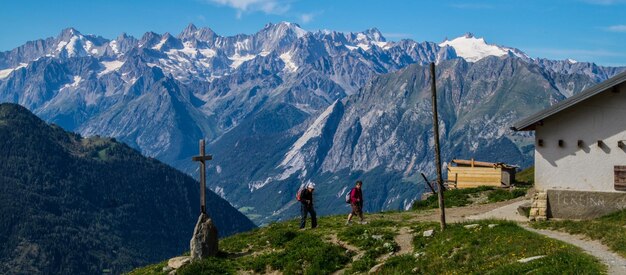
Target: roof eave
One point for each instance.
(529, 123)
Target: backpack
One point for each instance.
(348, 197)
(298, 194)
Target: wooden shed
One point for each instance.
(471, 173)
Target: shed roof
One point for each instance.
(529, 123)
(476, 163)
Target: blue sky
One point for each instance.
(584, 30)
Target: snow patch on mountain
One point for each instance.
(238, 59)
(6, 72)
(77, 80)
(363, 46)
(160, 44)
(473, 49)
(340, 193)
(287, 58)
(110, 66)
(113, 45)
(220, 191)
(383, 45)
(207, 52)
(256, 185)
(71, 46)
(300, 32)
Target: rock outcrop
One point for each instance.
(204, 241)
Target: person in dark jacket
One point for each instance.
(356, 201)
(306, 199)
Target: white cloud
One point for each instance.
(616, 28)
(307, 17)
(266, 6)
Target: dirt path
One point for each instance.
(455, 214)
(507, 212)
(404, 239)
(616, 264)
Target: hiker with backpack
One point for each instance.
(305, 196)
(355, 199)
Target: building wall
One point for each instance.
(590, 168)
(468, 177)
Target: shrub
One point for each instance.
(504, 195)
(453, 198)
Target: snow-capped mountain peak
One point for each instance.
(71, 42)
(473, 49)
(374, 34)
(190, 31)
(282, 28)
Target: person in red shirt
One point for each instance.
(356, 201)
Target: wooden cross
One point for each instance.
(202, 158)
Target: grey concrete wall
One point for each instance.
(568, 204)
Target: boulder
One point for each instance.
(524, 209)
(204, 240)
(177, 262)
(471, 226)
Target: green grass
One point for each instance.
(150, 269)
(525, 177)
(609, 230)
(505, 194)
(453, 198)
(463, 197)
(485, 250)
(279, 246)
(283, 247)
(375, 239)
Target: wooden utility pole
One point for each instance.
(433, 89)
(202, 158)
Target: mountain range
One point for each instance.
(285, 106)
(74, 205)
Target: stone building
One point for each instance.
(580, 151)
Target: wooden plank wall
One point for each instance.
(475, 176)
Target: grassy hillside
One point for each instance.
(526, 176)
(392, 243)
(467, 196)
(73, 205)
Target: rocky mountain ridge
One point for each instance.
(260, 101)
